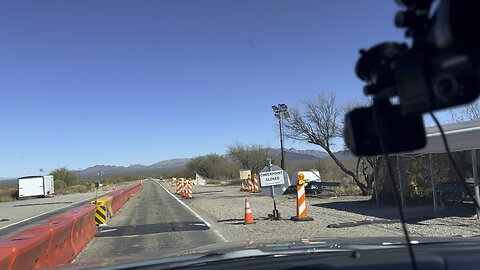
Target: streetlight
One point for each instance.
(281, 112)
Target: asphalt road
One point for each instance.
(150, 224)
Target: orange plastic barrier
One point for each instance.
(84, 228)
(6, 258)
(60, 247)
(89, 221)
(28, 249)
(120, 197)
(59, 240)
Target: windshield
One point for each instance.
(146, 129)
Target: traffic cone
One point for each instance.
(248, 213)
(242, 188)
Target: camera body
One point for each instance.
(439, 70)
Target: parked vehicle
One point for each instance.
(309, 176)
(35, 186)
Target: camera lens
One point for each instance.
(445, 86)
(405, 18)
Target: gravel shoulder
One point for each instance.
(223, 207)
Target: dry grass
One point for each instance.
(236, 182)
(8, 194)
(349, 190)
(74, 189)
(224, 182)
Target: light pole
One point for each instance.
(281, 111)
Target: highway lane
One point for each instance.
(150, 224)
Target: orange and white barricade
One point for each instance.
(301, 201)
(184, 188)
(179, 186)
(189, 189)
(250, 184)
(256, 187)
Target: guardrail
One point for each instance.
(60, 239)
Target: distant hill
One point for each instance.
(298, 156)
(172, 165)
(315, 153)
(8, 181)
(135, 169)
(304, 156)
(342, 156)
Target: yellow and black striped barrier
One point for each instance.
(104, 210)
(101, 215)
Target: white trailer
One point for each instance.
(35, 186)
(48, 181)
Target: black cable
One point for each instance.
(457, 170)
(396, 191)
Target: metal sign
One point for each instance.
(271, 178)
(276, 189)
(278, 181)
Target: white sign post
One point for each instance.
(272, 179)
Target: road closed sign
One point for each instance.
(271, 178)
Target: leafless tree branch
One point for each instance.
(320, 123)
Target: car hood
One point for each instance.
(240, 249)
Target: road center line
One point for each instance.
(194, 213)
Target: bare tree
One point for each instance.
(365, 165)
(252, 157)
(364, 169)
(211, 166)
(466, 113)
(320, 123)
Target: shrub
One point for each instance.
(8, 194)
(60, 185)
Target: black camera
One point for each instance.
(439, 70)
(399, 132)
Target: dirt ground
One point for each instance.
(346, 216)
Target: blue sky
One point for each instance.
(123, 82)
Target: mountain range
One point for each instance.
(165, 166)
(172, 165)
